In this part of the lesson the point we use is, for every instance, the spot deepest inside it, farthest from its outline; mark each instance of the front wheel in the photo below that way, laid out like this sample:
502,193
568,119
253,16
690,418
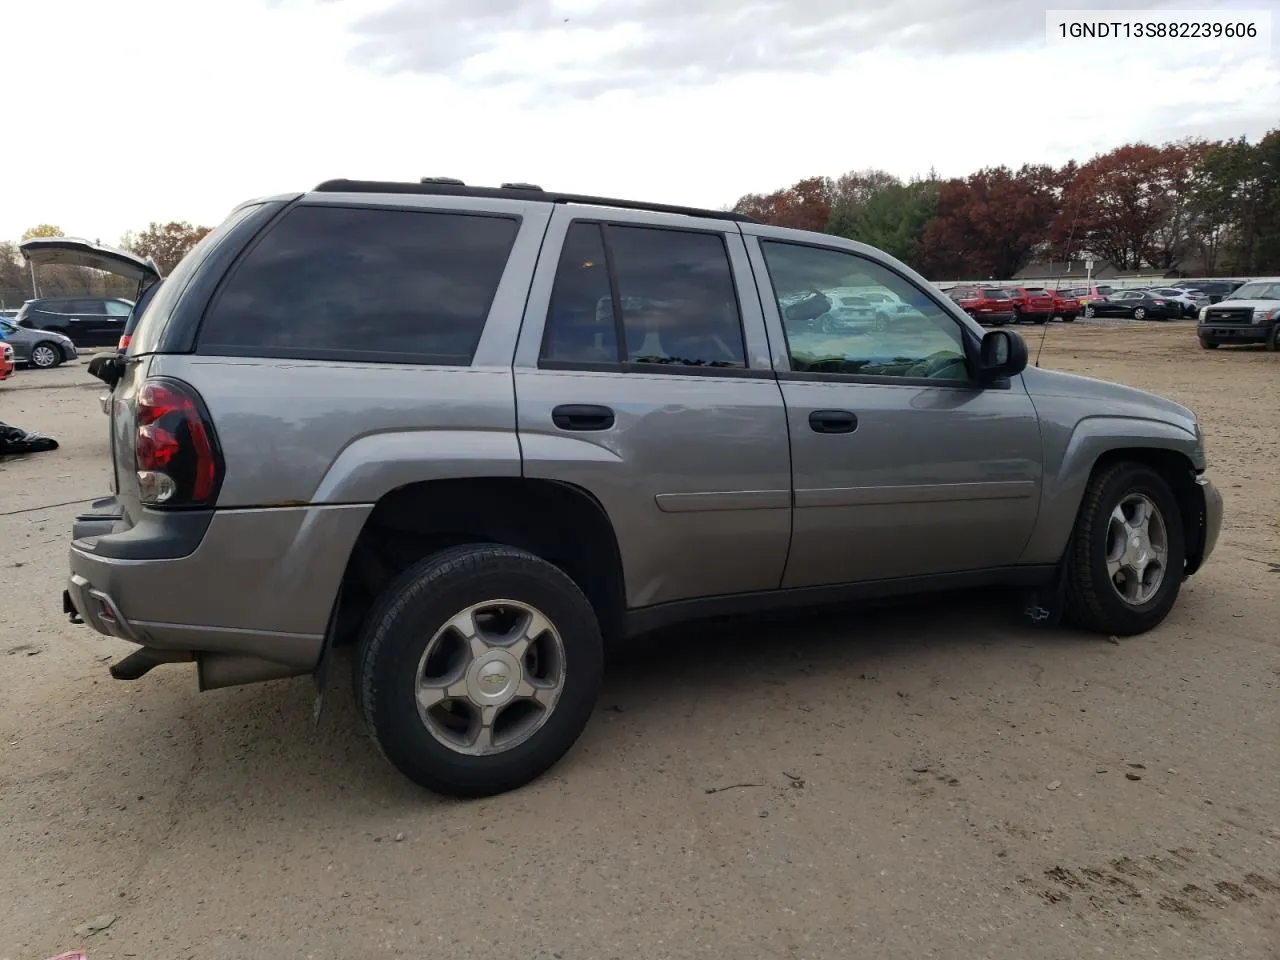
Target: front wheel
1127,552
478,669
1209,344
1273,339
1090,313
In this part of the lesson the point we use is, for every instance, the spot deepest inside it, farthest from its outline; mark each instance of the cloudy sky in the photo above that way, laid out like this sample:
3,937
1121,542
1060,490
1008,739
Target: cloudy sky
136,110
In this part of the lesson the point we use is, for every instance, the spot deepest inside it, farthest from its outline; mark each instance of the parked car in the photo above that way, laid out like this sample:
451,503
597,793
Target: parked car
989,305
1065,306
1135,304
1087,295
87,321
1191,301
1215,289
1250,314
607,417
7,362
38,348
8,314
1032,303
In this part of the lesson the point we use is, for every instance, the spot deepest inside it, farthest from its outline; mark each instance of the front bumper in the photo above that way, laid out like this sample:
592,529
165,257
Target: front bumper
1211,510
1235,332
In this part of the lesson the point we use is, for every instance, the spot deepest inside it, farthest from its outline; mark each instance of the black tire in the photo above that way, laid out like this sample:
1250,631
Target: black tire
43,349
1017,316
1090,313
1139,313
1209,344
409,613
1092,601
1273,338
1068,318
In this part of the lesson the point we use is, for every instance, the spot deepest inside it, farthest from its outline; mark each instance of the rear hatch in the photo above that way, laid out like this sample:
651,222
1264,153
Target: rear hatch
75,252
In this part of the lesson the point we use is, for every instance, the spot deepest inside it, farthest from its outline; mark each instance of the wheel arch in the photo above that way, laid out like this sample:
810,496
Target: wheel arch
559,522
1095,445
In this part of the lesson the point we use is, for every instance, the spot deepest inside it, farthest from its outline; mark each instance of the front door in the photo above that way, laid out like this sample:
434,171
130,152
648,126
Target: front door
903,465
643,377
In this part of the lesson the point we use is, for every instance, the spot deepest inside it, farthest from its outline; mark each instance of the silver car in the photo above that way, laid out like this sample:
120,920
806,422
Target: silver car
38,348
483,433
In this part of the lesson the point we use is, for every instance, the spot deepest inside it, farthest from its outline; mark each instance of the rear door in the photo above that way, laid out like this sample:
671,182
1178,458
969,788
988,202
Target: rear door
643,376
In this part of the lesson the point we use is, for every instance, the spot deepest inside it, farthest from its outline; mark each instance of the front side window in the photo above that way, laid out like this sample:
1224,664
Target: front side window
364,284
674,289
919,340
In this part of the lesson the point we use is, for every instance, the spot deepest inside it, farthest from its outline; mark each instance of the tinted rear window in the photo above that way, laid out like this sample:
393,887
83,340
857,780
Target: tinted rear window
151,322
995,294
361,284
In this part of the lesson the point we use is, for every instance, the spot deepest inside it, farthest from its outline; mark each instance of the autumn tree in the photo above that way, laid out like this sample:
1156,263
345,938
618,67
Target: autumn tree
1173,235
1114,207
42,230
166,244
990,224
803,206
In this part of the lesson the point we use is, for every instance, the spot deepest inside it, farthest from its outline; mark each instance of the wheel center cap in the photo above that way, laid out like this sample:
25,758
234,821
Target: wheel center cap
493,678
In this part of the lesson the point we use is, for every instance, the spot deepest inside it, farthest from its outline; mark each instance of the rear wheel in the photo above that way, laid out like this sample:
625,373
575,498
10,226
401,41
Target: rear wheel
1090,313
1068,318
1017,315
1127,552
478,669
1139,313
45,355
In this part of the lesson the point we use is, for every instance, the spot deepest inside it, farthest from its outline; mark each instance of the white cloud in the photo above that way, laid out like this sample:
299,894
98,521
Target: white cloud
152,110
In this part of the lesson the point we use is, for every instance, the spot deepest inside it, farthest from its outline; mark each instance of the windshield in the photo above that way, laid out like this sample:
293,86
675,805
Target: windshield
1262,290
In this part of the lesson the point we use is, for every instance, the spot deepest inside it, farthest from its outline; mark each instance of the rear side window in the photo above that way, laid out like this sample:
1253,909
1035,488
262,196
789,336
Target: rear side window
343,283
995,294
644,295
117,308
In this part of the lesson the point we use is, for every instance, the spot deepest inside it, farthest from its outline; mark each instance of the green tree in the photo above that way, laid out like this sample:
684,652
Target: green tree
893,218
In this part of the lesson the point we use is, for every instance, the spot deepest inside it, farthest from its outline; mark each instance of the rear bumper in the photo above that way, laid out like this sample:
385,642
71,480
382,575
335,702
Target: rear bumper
257,583
994,316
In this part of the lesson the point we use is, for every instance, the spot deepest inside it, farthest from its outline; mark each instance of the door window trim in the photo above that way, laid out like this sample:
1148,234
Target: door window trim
968,338
615,292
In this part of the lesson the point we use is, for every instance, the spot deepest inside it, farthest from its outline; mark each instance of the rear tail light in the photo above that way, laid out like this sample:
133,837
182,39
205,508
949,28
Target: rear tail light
179,463
124,342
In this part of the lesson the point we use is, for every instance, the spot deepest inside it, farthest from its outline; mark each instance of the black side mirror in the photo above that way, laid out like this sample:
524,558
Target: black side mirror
107,367
1002,354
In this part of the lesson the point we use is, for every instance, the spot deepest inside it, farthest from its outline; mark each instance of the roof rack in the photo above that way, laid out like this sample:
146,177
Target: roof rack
449,187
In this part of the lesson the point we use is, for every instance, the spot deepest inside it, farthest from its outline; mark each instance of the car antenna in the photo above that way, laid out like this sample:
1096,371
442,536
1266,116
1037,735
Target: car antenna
1057,285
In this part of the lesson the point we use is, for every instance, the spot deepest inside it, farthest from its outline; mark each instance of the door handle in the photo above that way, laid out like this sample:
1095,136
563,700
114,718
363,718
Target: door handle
582,416
833,421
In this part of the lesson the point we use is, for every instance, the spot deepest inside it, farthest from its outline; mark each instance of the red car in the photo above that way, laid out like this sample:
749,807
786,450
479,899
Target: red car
991,305
1065,305
7,365
1032,303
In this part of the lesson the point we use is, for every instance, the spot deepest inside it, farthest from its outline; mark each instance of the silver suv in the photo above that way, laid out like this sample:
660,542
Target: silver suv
483,433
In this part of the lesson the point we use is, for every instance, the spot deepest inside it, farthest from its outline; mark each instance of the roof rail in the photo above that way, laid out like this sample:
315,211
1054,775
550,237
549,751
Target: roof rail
446,187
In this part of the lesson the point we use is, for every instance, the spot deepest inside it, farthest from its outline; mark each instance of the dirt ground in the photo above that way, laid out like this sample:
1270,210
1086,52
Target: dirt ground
932,781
